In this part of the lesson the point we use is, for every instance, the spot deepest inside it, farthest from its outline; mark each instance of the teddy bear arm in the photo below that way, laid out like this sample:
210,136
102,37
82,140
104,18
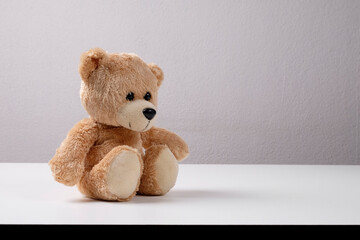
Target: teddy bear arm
67,165
161,136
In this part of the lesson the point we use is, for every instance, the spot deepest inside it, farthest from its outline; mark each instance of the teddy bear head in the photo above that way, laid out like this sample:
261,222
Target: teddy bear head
119,89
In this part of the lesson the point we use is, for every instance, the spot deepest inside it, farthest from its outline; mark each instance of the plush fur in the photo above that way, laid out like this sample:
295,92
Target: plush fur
118,152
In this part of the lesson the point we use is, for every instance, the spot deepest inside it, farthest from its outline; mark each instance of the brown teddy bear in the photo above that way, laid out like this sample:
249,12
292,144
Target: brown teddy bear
118,151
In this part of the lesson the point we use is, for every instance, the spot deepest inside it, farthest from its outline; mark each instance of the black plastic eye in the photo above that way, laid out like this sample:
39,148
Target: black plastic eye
130,96
147,96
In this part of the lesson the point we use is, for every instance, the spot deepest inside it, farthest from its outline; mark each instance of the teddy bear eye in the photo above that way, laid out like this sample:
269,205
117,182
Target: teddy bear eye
147,96
130,96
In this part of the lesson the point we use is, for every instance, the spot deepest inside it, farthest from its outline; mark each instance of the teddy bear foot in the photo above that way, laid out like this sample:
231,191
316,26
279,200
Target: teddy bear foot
116,177
160,171
124,175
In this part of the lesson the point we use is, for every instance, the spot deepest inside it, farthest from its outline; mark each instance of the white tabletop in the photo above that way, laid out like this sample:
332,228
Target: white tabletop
203,194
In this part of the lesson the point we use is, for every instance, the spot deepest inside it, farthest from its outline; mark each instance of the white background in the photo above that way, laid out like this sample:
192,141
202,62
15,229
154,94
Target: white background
245,81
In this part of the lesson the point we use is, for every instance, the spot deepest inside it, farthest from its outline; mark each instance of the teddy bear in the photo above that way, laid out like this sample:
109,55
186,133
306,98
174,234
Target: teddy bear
117,152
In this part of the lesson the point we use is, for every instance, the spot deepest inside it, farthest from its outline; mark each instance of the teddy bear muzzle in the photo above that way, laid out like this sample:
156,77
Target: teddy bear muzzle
139,115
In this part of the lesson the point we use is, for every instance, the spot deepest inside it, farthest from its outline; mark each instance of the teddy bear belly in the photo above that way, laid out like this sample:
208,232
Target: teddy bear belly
98,152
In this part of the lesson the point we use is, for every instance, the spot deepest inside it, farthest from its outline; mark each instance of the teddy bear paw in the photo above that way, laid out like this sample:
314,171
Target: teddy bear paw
124,175
160,171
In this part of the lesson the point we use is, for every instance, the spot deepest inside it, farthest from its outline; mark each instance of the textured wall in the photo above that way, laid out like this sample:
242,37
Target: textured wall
245,81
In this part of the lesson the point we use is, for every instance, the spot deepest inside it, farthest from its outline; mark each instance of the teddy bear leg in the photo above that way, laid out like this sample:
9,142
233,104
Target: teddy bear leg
116,177
160,171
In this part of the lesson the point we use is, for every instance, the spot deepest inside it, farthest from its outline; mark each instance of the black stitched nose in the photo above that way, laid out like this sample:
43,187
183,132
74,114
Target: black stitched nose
149,113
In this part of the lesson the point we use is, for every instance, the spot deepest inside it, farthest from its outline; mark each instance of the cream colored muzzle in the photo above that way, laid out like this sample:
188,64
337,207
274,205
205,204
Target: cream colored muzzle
138,115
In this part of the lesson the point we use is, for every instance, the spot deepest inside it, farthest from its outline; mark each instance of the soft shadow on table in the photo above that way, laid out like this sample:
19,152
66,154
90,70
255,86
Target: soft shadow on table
193,195
190,195
213,194
84,199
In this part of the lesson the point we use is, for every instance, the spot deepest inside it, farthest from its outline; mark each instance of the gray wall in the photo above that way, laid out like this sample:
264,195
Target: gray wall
245,81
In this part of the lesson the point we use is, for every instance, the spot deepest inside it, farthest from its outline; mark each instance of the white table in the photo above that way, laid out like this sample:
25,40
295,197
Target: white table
204,194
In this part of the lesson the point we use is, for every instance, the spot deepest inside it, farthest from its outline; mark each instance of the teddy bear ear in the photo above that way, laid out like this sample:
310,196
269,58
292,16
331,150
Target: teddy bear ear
89,61
156,70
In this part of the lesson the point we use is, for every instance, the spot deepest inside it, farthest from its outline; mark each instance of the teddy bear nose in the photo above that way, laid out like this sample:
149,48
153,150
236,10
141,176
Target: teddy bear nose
149,113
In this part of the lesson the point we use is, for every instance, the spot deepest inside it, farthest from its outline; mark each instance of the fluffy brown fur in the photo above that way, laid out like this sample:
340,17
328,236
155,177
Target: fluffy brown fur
85,157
